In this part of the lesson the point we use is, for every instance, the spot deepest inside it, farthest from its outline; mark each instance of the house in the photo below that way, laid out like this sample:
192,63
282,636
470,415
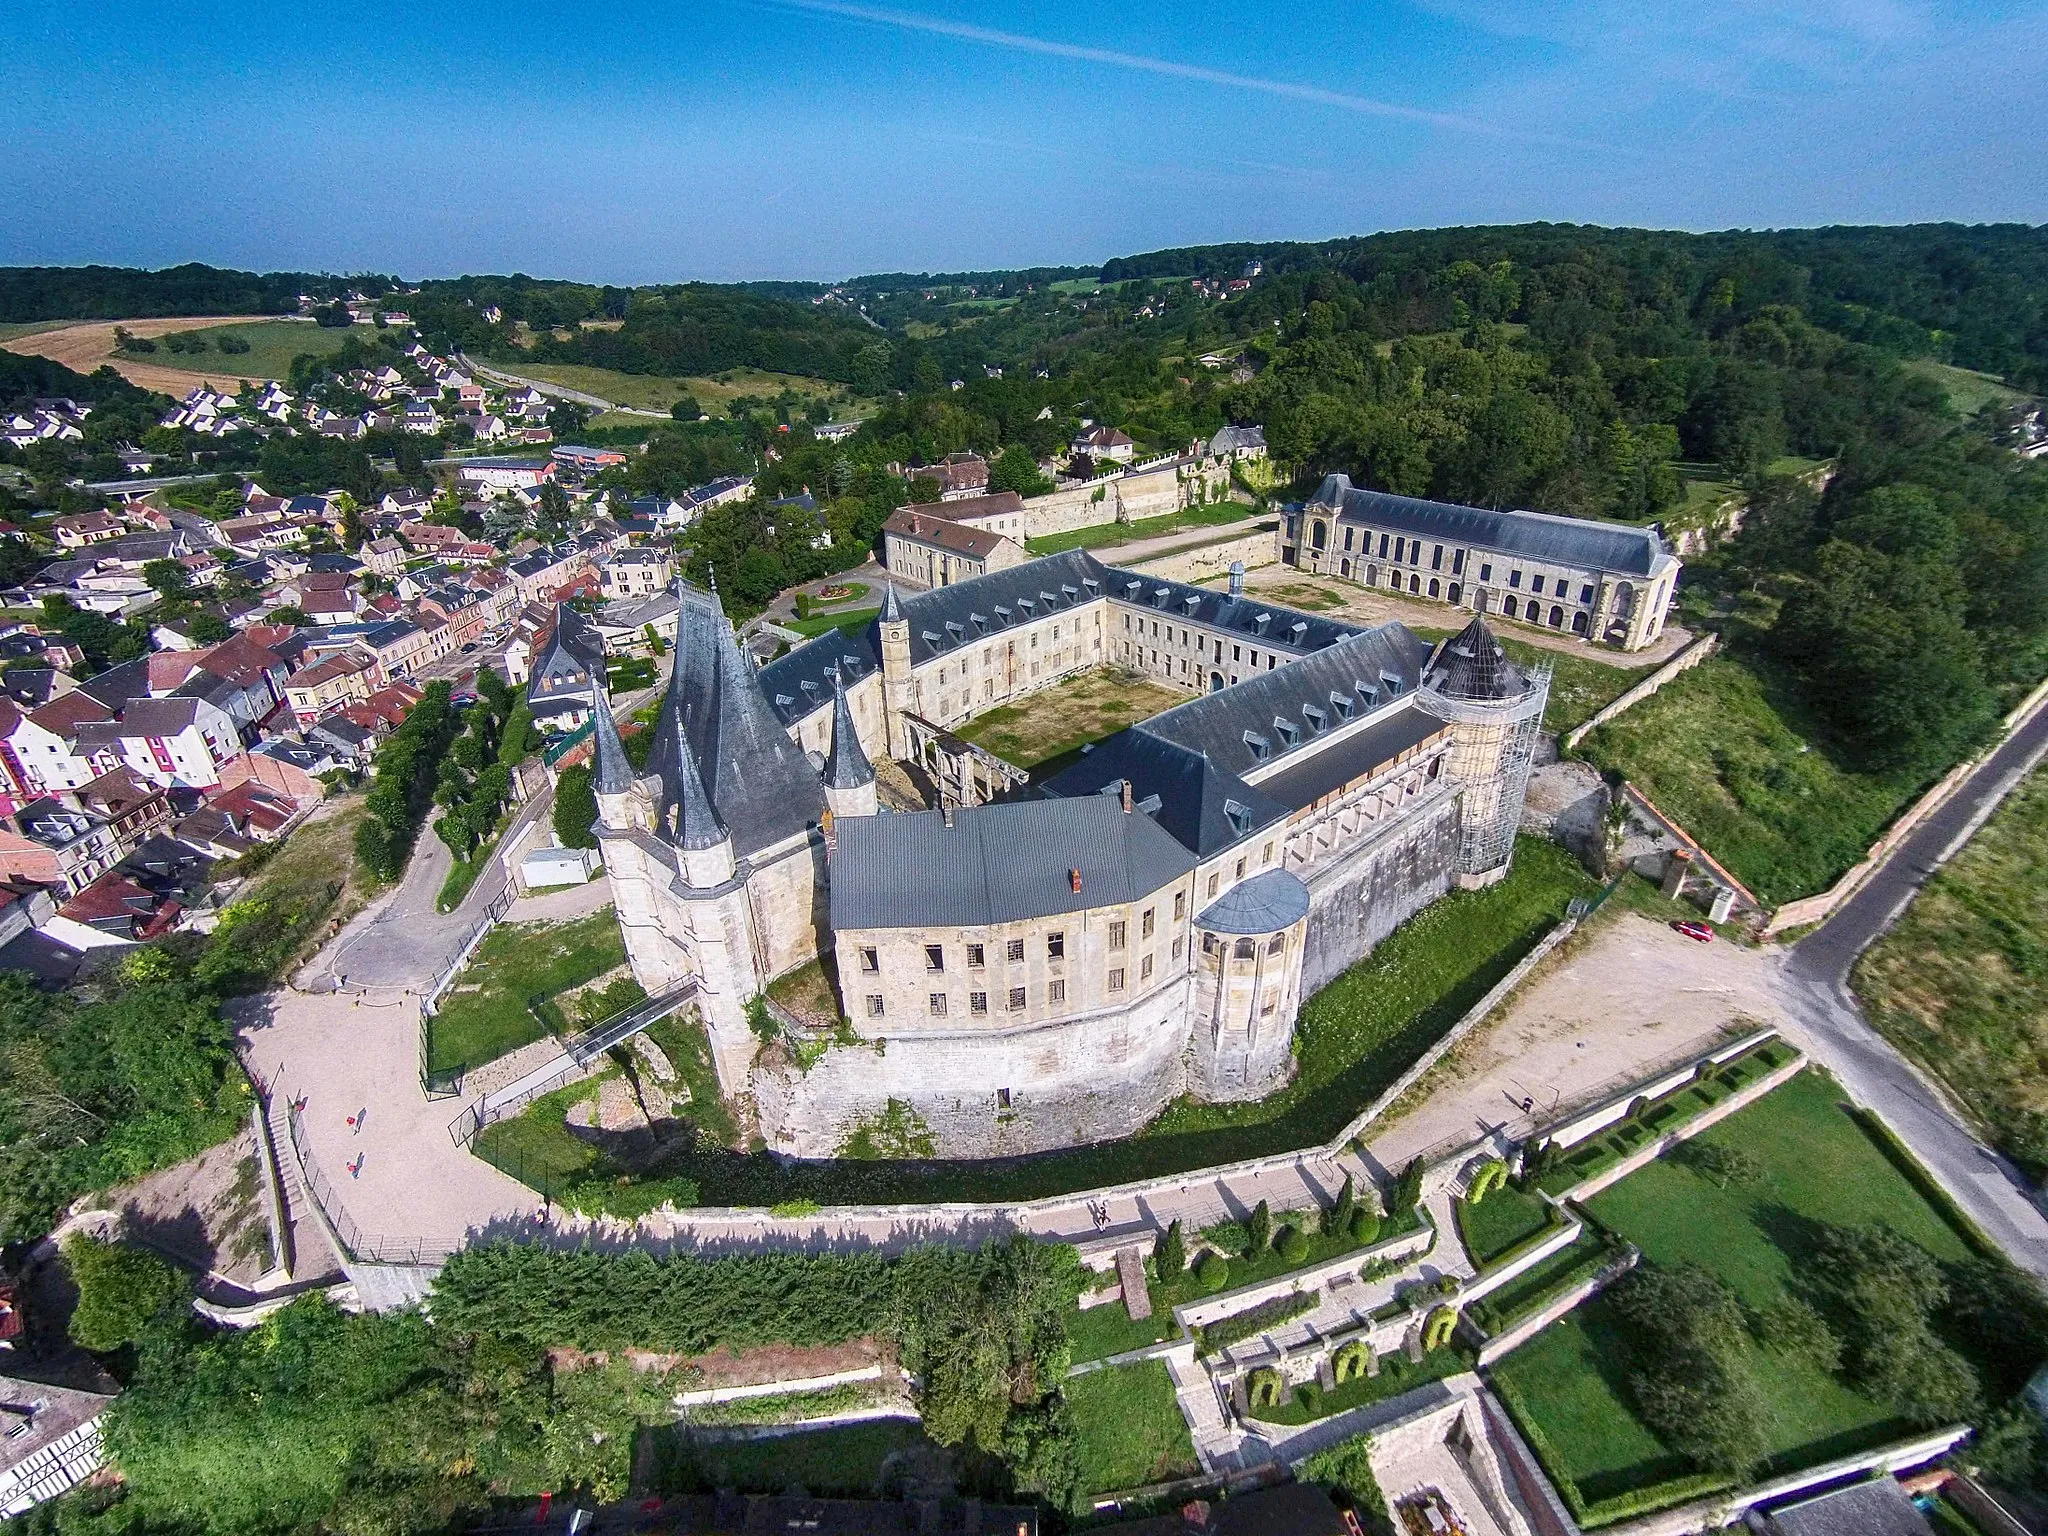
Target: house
835,431
624,626
431,538
386,557
586,460
54,1443
180,739
26,911
83,528
346,742
936,551
959,475
637,573
121,910
1099,443
329,684
256,811
40,749
402,646
382,712
1878,1506
565,663
1238,443
503,474
545,572
55,842
1001,513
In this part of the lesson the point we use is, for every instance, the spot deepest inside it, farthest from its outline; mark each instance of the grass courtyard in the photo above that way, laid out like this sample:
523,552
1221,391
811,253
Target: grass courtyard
1046,730
1129,1429
1568,1387
488,1014
1961,983
1735,761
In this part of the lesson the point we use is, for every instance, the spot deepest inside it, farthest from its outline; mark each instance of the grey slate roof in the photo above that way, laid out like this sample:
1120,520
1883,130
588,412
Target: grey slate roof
1878,1507
614,773
1472,665
802,681
948,618
1202,806
1533,535
1266,625
997,863
761,784
1266,903
848,766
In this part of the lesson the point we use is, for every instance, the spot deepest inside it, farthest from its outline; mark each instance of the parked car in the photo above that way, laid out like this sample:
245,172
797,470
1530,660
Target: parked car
1692,930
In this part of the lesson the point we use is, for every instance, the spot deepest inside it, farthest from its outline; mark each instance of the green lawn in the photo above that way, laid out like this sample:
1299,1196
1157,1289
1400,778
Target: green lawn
272,346
487,1013
1107,1330
1732,760
1047,729
852,621
1568,1386
1356,1036
1537,1285
847,1460
1968,390
1129,1429
1580,687
1106,535
1961,984
1502,1221
648,392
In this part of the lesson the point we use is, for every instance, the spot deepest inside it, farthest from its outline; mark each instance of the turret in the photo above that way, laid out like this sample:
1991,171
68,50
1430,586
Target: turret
612,777
898,689
849,778
706,845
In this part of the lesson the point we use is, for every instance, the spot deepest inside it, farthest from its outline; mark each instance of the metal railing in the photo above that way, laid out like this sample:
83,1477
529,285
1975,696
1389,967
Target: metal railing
622,1026
446,1082
369,1248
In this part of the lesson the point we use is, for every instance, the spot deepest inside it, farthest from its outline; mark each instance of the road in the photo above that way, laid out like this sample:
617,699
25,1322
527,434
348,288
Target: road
1816,989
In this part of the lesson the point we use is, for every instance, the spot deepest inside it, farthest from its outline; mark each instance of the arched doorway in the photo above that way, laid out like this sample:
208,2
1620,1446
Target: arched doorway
1507,607
1578,623
1435,587
1455,594
1556,617
1318,535
1215,682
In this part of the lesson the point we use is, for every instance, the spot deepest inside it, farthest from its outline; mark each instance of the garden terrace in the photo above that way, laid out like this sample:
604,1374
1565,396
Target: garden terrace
1129,1428
1308,1401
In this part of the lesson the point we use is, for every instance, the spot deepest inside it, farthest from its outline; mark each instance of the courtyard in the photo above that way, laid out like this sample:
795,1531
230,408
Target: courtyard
1046,731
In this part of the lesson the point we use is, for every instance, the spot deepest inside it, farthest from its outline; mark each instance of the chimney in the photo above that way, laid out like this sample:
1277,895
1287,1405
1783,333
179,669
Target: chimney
1074,876
946,812
1237,578
1127,797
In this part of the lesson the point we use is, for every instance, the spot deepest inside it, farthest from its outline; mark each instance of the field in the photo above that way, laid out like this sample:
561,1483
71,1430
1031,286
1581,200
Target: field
1108,535
272,346
1961,984
89,344
487,1013
1052,725
1569,1384
647,392
1968,390
1130,1430
1733,761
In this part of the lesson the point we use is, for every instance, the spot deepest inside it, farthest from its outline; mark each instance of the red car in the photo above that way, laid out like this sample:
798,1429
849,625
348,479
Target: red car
1693,930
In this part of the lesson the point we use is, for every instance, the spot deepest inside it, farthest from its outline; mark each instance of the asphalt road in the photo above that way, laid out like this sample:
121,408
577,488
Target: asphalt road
1816,973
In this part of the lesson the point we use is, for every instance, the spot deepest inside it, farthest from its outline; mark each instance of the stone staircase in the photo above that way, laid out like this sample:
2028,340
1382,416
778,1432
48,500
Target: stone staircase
303,1251
1218,1442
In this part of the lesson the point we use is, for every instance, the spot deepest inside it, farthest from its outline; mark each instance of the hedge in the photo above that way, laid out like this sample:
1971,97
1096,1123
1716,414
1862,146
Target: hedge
1226,1331
1915,1173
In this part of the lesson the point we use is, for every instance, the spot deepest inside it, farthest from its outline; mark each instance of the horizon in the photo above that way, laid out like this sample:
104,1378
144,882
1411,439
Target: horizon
811,140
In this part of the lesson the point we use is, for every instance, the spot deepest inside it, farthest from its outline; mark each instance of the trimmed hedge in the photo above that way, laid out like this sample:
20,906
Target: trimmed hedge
1226,1331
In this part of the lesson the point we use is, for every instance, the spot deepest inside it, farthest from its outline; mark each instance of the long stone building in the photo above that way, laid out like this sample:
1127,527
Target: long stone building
1601,581
1035,966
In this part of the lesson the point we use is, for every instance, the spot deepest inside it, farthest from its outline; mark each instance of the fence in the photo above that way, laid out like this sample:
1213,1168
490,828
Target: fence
355,1242
446,1082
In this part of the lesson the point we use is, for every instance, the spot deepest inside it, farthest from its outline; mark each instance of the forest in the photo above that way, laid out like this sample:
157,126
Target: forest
125,293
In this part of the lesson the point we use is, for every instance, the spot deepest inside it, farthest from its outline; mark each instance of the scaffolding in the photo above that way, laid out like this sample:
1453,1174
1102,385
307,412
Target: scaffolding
1490,760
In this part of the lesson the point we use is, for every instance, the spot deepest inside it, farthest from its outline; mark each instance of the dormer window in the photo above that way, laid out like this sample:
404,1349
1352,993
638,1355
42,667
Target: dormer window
979,622
1091,586
1160,595
1239,816
1300,631
1368,693
1318,720
1261,747
783,701
1131,590
1003,615
1259,624
1341,702
954,630
1025,604
1288,730
1049,600
1392,682
1068,592
1191,602
930,638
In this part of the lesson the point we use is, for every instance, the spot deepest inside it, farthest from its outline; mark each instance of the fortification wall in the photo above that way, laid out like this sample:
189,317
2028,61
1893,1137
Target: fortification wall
1068,1083
1117,499
1204,561
1356,901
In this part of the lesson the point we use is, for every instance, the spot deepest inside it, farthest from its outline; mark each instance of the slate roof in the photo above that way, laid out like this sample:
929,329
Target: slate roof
1271,900
1472,665
761,784
1878,1507
1282,629
948,618
997,863
1203,807
847,767
816,663
1532,535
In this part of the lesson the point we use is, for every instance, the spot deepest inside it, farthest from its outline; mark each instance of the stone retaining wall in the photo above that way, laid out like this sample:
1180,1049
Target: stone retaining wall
1520,1333
1613,1111
1657,1146
1261,547
1684,661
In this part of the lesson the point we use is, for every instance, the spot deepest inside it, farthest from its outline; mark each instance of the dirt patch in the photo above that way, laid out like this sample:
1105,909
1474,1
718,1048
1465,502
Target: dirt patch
1047,729
207,1212
89,345
746,1368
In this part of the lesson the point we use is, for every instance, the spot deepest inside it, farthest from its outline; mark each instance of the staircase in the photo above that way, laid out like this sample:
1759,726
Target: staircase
303,1249
1217,1442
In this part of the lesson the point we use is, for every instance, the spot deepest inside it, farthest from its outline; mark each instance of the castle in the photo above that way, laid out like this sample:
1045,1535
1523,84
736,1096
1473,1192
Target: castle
1037,966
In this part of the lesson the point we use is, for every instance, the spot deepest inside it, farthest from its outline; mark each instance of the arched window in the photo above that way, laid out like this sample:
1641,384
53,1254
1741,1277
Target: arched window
1434,587
1246,949
1215,682
1455,593
1578,623
1415,584
1624,600
1276,943
1436,766
1507,607
1344,566
1319,534
1556,617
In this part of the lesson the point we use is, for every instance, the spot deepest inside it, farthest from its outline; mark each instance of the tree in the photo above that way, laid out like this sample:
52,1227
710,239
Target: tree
686,409
288,613
122,1291
210,628
1406,1190
1694,1386
566,418
1337,1215
169,579
1016,470
575,809
349,512
1169,1256
1258,1230
551,513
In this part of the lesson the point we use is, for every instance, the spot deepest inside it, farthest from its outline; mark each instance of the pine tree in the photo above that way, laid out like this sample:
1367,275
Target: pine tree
1170,1257
1337,1217
1258,1231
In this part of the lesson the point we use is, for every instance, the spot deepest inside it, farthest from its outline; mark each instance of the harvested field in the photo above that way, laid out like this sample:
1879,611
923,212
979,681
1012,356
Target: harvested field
89,344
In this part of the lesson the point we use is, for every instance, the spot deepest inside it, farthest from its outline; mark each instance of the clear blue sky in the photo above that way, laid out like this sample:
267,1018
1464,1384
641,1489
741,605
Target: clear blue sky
811,138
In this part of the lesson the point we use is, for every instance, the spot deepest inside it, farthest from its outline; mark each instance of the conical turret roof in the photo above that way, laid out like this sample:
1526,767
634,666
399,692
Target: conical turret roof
614,771
1473,665
848,767
892,607
697,823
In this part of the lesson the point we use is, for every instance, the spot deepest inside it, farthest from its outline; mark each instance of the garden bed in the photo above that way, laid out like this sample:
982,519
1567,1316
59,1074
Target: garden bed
1308,1402
1499,1225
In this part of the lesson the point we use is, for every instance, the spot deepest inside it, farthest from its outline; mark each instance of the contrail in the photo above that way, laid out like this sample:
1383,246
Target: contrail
1344,100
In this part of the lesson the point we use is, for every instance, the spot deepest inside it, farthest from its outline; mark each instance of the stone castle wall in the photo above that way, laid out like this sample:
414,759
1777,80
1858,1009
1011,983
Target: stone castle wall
1210,560
1359,899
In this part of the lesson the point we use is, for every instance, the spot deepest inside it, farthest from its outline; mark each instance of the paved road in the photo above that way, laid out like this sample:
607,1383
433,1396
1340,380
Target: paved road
1816,989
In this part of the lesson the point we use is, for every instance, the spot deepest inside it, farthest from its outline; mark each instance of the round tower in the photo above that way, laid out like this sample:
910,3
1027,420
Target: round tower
898,688
1495,709
849,777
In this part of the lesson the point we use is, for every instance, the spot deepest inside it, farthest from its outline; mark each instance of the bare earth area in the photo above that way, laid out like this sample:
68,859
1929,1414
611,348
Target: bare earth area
207,1212
89,345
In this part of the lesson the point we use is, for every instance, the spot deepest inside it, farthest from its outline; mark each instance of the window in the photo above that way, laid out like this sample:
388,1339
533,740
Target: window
1145,969
1016,949
1486,573
1116,979
1240,870
938,1001
1214,878
1436,558
1585,594
1056,946
1180,905
1458,563
1275,944
1383,546
874,1005
1016,999
1267,857
1246,950
935,957
1348,532
977,1003
1178,944
1145,924
1272,1001
1002,1098
1056,992
974,958
1208,943
1116,935
1514,578
870,962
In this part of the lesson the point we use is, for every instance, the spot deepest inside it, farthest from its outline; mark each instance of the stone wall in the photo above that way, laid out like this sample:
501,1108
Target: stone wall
1214,559
1359,899
1684,661
1123,499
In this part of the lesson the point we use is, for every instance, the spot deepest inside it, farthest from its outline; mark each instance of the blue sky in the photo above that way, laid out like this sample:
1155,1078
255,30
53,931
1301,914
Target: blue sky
725,139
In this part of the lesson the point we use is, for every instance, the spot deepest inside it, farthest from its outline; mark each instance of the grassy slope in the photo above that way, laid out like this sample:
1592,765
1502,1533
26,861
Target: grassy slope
272,346
851,620
518,961
1058,720
1107,535
1968,390
1823,1167
1130,1430
1726,755
848,1460
1961,984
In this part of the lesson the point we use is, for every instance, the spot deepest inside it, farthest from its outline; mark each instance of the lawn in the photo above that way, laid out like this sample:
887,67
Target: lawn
1537,1285
487,1013
1128,1427
297,895
1503,1221
1047,730
1105,535
1107,1330
1568,1386
847,1459
1734,761
1356,1036
1968,390
1961,984
272,346
852,621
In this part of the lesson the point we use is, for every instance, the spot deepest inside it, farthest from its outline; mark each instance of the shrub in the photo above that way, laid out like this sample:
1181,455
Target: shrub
1259,1231
1490,1176
1406,1190
1337,1217
1292,1245
1792,1327
1718,1164
1212,1272
1365,1226
1263,1388
1350,1360
1170,1257
1437,1331
121,1291
1255,1320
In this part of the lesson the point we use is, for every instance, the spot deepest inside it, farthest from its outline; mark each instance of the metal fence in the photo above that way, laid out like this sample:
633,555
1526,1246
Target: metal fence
446,1082
369,1248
